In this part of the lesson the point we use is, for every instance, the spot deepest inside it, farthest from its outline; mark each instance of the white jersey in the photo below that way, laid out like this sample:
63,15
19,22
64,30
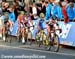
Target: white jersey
55,26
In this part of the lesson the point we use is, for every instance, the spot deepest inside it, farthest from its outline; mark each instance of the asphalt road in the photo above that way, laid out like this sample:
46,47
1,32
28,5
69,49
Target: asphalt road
15,50
24,53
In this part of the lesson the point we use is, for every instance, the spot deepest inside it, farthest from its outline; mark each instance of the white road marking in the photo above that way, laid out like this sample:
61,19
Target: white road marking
36,50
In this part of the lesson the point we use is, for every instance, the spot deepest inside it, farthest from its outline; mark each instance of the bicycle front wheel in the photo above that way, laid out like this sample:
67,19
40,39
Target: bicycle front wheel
55,44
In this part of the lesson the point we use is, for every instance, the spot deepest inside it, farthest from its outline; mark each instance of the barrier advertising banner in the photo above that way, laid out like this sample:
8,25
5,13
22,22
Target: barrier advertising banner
67,37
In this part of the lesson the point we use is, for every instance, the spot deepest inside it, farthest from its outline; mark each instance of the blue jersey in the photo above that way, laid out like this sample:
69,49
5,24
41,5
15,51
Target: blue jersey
41,23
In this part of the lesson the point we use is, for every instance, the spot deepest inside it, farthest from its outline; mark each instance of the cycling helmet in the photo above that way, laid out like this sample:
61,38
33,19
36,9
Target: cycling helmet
22,12
42,15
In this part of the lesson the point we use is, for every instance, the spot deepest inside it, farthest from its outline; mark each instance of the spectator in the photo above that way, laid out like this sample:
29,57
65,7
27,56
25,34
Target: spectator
34,11
5,5
1,22
30,10
41,7
64,12
25,9
11,14
21,5
16,11
0,11
56,10
43,10
3,0
48,10
73,1
71,11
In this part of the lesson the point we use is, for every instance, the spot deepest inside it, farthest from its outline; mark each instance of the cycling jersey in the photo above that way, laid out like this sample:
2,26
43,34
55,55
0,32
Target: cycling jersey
53,25
41,23
20,17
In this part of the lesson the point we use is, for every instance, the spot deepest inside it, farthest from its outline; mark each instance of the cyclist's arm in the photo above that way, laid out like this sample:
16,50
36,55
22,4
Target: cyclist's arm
58,27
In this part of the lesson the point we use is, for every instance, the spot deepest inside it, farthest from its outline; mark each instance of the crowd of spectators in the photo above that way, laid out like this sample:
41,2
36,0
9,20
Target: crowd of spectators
60,8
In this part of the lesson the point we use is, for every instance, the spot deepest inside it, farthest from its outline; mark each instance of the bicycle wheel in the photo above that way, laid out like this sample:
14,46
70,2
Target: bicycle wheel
37,38
40,41
29,38
48,48
19,38
4,37
55,44
8,36
19,35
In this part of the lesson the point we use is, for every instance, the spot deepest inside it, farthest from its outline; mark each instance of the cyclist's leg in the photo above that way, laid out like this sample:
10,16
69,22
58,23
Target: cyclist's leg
11,22
48,30
23,32
19,30
23,35
3,32
19,33
4,29
48,38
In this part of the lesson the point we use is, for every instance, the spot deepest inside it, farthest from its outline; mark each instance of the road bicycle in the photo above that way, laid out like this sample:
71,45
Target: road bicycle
7,35
27,35
41,38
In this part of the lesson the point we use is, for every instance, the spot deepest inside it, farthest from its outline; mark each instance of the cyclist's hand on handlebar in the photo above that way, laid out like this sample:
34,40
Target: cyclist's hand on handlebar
59,30
46,22
62,19
74,20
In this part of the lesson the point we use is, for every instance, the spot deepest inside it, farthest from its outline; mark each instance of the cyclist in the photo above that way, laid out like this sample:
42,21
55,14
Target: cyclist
52,27
52,24
41,24
41,21
20,25
41,35
6,25
23,22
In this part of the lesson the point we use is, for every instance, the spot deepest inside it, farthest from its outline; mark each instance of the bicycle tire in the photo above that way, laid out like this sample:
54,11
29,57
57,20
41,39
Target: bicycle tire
55,44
